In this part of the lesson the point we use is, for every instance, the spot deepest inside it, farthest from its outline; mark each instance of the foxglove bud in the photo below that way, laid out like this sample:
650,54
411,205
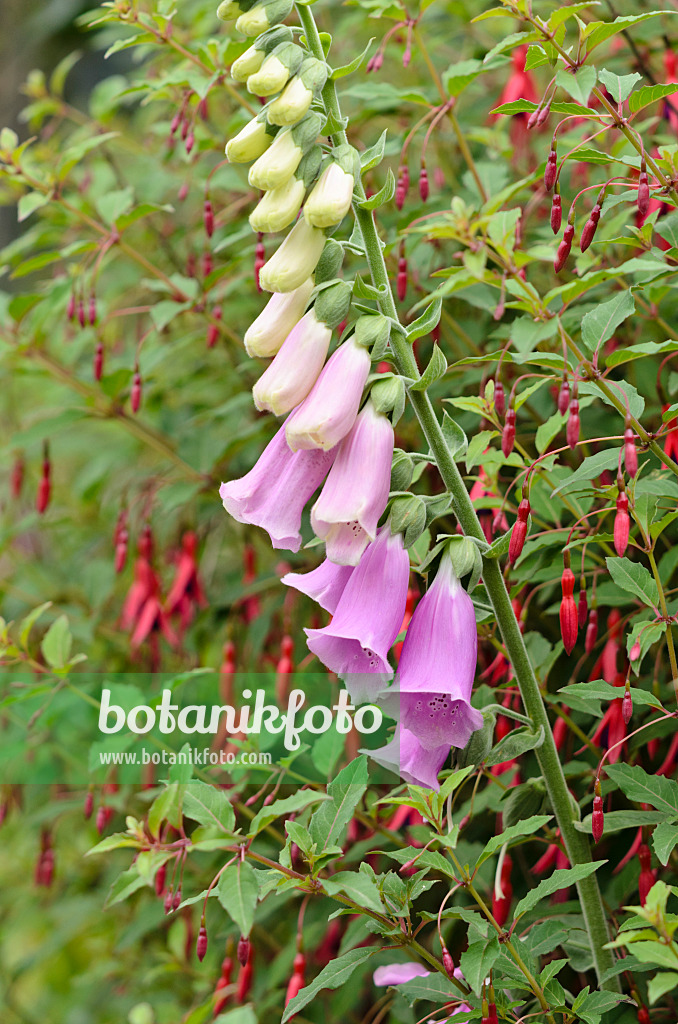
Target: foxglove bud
263,16
508,436
250,143
208,218
564,248
519,532
423,183
499,398
564,396
568,611
643,192
551,169
630,453
582,604
556,213
573,426
597,817
99,361
330,200
591,631
627,704
402,185
622,524
273,75
251,60
589,229
201,944
135,395
401,280
295,260
281,159
283,311
279,206
243,952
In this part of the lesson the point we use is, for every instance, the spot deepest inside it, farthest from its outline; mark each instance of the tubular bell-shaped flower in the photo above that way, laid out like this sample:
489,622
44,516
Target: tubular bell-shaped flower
251,142
295,260
280,161
325,417
367,617
281,313
262,16
297,96
431,695
274,73
354,497
294,370
279,206
330,200
252,59
406,757
273,494
324,585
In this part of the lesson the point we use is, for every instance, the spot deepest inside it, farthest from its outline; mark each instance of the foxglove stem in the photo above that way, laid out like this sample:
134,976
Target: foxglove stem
576,843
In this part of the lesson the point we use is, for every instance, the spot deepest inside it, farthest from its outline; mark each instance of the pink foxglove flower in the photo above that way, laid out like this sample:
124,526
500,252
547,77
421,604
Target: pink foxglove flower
354,497
406,757
281,313
431,696
325,584
367,617
325,417
294,371
400,974
273,494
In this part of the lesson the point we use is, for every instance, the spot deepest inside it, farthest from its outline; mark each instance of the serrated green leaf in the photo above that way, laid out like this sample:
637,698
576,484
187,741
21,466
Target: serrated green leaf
560,879
640,787
334,975
664,839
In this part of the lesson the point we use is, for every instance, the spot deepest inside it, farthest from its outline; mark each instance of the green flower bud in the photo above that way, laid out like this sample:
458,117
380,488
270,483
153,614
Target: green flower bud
279,207
333,303
402,470
262,16
523,801
408,516
250,143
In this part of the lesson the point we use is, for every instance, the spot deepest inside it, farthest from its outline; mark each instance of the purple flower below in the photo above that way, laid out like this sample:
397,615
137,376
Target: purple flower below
325,584
406,757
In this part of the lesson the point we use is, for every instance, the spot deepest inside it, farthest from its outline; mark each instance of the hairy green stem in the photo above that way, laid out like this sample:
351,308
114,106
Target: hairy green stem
576,843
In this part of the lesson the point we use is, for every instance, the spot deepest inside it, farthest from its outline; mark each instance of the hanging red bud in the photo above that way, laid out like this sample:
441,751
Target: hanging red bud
176,121
208,265
121,550
407,56
573,425
508,436
89,805
627,704
591,631
582,604
519,532
243,952
92,310
202,107
176,901
543,114
630,453
622,524
564,248
643,192
532,119
201,944
589,229
423,184
401,280
244,983
98,368
551,169
213,329
647,876
294,987
17,476
259,259
556,213
82,319
159,880
448,962
168,901
499,398
597,817
402,186
564,397
569,619
190,141
492,1017
208,218
183,192
70,308
101,818
135,394
643,1015
634,653
45,486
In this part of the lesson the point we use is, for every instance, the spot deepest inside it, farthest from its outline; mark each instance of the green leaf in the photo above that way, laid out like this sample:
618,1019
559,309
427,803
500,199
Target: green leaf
124,885
435,988
477,446
478,960
455,438
347,69
334,975
238,1015
428,320
375,154
166,807
436,369
30,620
648,94
640,787
634,579
518,831
578,85
31,202
664,839
619,88
596,32
560,879
515,743
661,984
281,808
527,106
345,792
600,323
595,1004
625,354
238,892
461,74
208,806
117,841
357,886
57,642
384,195
590,468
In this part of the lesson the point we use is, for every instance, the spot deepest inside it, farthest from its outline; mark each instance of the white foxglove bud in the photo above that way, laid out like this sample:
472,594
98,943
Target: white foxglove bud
282,312
252,59
279,207
262,16
295,260
230,9
298,94
330,200
250,143
280,162
276,70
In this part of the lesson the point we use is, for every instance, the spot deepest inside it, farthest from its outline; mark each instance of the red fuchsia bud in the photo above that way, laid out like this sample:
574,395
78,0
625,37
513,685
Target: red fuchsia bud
176,121
135,395
159,880
121,551
377,60
70,308
622,524
569,620
208,218
190,141
519,532
643,1015
89,805
508,436
98,368
544,113
176,901
244,983
82,319
168,901
499,398
591,631
630,453
213,330
208,265
532,119
45,486
401,280
243,952
448,962
564,397
551,169
17,476
294,987
627,704
423,183
92,311
556,213
643,192
564,248
185,125
402,186
101,818
589,229
407,56
598,817
582,603
259,259
201,944
183,192
202,108
299,965
573,425
634,653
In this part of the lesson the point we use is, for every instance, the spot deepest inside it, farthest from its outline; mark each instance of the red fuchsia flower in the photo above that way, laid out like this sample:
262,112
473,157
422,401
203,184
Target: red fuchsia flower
273,494
569,618
622,524
671,438
142,612
355,493
326,416
647,875
186,592
519,532
520,85
284,669
670,75
503,893
367,618
432,693
598,815
325,585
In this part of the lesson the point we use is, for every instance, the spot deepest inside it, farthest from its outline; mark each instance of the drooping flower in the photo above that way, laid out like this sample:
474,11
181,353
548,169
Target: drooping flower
281,160
406,757
250,143
186,593
367,618
273,494
325,585
431,696
282,312
325,417
354,497
273,75
295,260
288,379
297,96
330,200
278,207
